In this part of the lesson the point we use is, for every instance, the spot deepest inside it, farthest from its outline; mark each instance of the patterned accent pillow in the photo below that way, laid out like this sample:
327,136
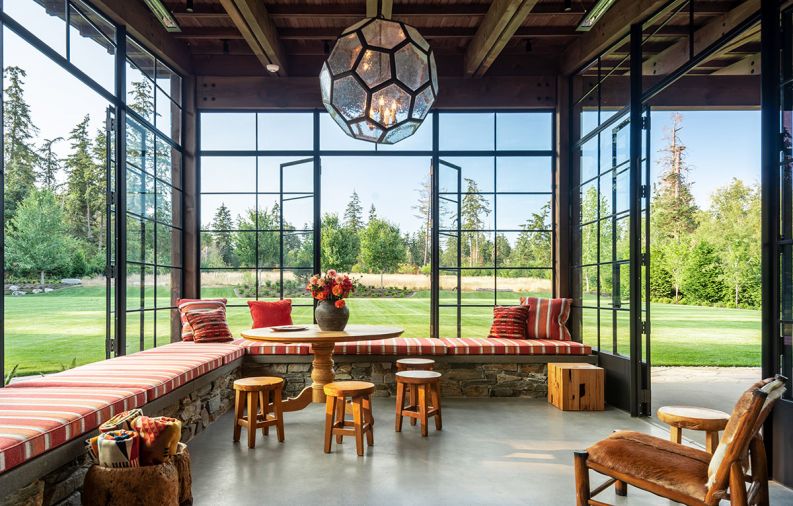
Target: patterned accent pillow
509,322
547,318
209,326
186,305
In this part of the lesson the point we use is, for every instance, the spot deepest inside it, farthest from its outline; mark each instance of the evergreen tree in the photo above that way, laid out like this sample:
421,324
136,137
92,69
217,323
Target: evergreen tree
353,215
703,279
674,210
423,210
533,249
592,206
141,100
474,210
82,205
223,237
38,241
20,156
372,213
50,165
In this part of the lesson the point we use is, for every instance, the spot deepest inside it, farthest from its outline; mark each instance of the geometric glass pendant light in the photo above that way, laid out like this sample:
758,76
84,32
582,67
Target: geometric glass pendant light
379,81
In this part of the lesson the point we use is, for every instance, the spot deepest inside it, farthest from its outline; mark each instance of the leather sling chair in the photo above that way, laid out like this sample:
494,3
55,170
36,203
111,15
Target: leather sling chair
688,475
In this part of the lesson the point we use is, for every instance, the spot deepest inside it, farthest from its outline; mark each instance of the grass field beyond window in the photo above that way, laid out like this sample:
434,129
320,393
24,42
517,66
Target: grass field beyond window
46,332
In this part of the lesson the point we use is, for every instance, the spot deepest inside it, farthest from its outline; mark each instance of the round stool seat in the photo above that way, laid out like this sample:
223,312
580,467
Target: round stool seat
418,377
694,418
415,363
258,383
349,388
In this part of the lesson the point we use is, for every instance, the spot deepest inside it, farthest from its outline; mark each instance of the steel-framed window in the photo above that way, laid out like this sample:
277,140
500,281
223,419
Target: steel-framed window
318,150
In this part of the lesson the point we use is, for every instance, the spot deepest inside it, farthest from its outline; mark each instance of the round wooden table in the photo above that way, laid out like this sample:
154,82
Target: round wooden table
711,421
322,344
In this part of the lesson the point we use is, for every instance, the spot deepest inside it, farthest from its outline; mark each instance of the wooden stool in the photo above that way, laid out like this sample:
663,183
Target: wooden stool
576,386
258,392
425,383
414,364
362,422
688,417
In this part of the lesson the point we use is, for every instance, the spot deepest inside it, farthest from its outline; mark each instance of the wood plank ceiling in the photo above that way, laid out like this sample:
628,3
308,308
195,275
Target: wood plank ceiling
535,44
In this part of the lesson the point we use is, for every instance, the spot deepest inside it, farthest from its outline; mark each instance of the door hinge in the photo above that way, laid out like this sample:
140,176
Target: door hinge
110,272
645,259
646,122
644,327
645,191
112,345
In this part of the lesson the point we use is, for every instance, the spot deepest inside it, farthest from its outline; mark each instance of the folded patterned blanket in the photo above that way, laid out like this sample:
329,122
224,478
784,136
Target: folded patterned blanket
121,421
159,437
118,448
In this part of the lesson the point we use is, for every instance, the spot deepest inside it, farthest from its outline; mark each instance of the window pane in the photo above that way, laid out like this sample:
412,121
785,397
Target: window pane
228,174
515,212
241,209
170,82
466,131
48,25
524,174
524,249
92,50
286,131
524,131
228,131
236,286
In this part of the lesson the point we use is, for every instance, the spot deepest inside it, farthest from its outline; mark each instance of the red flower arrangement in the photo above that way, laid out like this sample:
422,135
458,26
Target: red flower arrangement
332,287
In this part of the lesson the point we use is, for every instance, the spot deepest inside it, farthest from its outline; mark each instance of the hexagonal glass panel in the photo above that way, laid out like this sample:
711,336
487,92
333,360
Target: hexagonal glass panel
349,98
424,101
433,73
338,119
411,66
390,106
366,130
325,83
403,131
357,25
417,38
345,52
374,67
382,33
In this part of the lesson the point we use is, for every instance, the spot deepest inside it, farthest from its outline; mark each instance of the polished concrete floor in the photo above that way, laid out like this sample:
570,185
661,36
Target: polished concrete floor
491,451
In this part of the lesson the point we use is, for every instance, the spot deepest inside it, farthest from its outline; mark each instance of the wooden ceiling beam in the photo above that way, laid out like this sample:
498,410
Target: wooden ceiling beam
746,66
677,54
253,22
613,26
428,33
501,22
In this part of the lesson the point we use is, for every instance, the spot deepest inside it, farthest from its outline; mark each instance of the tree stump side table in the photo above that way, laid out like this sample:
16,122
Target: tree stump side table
576,386
710,421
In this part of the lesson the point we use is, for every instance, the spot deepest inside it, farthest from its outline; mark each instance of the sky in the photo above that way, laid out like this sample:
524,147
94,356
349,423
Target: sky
721,144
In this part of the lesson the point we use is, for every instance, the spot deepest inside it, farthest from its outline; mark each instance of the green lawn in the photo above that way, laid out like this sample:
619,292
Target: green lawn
46,332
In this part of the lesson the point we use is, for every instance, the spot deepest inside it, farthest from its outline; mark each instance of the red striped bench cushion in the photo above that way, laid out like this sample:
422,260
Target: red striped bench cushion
252,347
35,420
157,374
395,346
492,346
228,351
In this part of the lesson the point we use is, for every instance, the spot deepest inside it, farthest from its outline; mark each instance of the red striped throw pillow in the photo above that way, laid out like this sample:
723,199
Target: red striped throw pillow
509,322
186,305
209,326
547,318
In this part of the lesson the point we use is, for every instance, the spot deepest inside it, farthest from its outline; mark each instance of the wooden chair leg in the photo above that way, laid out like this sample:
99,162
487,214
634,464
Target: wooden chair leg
759,471
239,412
620,488
369,419
737,485
582,490
279,414
264,406
357,420
676,434
711,441
400,405
413,395
435,390
330,411
253,410
341,414
423,409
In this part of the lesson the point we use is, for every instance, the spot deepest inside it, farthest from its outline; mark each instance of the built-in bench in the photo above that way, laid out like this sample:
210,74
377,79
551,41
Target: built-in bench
50,416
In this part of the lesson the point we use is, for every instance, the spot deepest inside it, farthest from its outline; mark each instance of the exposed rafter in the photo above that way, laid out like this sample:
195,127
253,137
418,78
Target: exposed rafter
254,23
614,25
746,66
499,24
677,54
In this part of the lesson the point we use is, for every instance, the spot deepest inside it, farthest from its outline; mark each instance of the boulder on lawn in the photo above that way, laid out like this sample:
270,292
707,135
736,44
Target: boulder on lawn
49,290
36,290
71,281
18,293
13,288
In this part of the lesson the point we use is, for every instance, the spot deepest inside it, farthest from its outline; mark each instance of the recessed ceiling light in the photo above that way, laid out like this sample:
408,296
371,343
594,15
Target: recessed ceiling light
592,17
163,15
